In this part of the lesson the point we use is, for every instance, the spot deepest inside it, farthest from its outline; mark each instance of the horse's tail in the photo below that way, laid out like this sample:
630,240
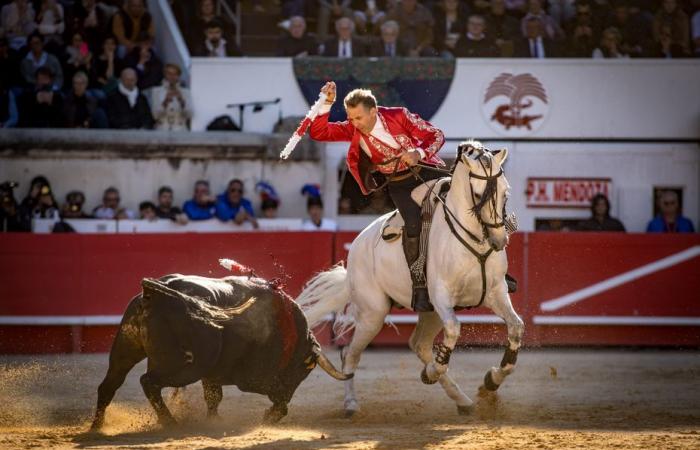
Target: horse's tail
325,293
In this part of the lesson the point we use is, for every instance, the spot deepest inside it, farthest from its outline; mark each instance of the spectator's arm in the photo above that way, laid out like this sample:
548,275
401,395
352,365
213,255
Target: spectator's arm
13,115
27,70
249,209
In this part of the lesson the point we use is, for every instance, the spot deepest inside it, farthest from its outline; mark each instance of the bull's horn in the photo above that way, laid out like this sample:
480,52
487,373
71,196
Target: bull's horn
328,366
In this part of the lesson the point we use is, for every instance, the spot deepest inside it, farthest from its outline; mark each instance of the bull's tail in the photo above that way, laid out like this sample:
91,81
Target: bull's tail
326,293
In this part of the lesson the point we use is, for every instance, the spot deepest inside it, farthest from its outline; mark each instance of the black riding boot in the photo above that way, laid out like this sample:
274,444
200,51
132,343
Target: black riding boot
420,300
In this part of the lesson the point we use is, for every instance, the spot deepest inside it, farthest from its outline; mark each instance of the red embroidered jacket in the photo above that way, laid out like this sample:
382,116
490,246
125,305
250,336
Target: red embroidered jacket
408,129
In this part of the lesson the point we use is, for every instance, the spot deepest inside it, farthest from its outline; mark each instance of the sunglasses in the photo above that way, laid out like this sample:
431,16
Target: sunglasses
235,190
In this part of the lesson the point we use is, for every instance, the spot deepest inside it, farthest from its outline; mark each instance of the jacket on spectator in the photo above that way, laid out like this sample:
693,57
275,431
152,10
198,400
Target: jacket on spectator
524,50
469,48
173,115
378,48
226,211
41,115
659,225
198,212
133,30
122,115
29,66
290,46
358,49
78,112
150,73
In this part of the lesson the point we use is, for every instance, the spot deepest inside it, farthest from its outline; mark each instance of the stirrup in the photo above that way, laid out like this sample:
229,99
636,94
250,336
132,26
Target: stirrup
420,300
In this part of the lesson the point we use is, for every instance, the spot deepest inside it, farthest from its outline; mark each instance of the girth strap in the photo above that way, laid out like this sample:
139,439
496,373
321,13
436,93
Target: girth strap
481,257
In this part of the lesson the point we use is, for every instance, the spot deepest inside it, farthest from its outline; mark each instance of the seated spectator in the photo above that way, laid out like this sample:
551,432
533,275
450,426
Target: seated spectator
416,23
107,67
475,43
17,23
110,209
270,200
671,15
92,21
536,44
368,15
600,217
172,103
51,24
73,208
10,218
665,47
345,45
297,43
206,12
80,108
330,11
535,9
40,202
36,58
9,65
503,28
389,44
202,206
165,208
9,117
450,23
214,45
670,219
78,57
132,25
147,64
635,30
345,206
147,211
42,106
231,205
314,207
582,32
269,208
127,107
610,45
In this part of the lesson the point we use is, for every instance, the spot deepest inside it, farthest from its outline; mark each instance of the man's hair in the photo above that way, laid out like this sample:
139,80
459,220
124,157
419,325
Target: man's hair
360,97
201,182
173,66
164,189
391,24
236,181
147,205
214,23
80,76
44,70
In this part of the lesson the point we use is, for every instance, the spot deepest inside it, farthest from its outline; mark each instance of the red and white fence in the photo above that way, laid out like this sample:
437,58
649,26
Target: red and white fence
64,293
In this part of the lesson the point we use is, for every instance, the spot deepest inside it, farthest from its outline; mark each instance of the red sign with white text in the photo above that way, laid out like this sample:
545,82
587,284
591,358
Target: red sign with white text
565,192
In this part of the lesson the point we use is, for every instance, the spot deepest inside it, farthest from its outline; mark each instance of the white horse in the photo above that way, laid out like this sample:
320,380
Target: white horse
466,267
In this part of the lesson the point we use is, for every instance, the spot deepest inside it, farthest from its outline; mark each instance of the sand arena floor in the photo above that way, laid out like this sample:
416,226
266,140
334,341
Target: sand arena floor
555,399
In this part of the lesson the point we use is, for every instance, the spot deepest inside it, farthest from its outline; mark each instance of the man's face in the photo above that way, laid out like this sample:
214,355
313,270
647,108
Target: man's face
535,6
451,5
297,27
148,214
128,79
36,45
583,14
344,28
79,86
171,75
669,5
201,194
270,213
669,204
110,45
390,35
475,26
601,207
165,200
214,35
362,118
235,192
43,80
135,7
498,7
111,200
315,213
207,7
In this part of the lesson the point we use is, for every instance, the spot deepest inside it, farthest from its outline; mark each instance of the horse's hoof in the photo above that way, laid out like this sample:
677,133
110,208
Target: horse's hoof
465,410
348,413
489,384
424,377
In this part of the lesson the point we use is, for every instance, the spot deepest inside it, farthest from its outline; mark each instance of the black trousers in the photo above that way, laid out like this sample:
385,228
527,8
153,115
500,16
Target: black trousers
400,193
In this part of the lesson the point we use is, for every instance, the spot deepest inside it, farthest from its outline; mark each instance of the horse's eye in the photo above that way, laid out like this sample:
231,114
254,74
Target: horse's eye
478,196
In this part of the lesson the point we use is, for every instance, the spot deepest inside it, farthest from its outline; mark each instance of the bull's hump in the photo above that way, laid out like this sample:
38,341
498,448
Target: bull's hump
211,288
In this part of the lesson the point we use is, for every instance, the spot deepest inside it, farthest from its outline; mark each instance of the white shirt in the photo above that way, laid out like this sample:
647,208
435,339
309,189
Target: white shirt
344,49
219,51
326,225
540,48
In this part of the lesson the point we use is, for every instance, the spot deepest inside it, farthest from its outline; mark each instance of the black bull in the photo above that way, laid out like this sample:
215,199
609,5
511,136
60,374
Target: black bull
228,331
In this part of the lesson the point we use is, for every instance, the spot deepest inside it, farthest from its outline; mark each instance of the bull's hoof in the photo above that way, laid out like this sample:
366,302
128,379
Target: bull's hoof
424,377
465,410
273,415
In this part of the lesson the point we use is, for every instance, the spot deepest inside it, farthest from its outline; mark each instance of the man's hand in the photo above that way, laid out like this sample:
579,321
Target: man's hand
329,90
410,157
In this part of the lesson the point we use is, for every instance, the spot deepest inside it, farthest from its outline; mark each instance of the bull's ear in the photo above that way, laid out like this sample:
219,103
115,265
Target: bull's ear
500,155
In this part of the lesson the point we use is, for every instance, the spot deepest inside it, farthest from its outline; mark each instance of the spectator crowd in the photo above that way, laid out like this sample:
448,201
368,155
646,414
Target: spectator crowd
86,64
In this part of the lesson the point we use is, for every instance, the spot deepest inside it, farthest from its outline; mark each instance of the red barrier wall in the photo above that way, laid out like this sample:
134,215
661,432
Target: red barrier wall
597,289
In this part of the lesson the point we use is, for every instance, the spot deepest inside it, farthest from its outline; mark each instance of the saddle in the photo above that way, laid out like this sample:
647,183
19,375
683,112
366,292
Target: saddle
427,192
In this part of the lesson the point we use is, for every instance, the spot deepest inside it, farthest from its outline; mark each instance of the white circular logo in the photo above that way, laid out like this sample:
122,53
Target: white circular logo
515,105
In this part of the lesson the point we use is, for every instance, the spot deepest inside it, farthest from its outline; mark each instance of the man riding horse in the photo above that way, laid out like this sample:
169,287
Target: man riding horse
392,141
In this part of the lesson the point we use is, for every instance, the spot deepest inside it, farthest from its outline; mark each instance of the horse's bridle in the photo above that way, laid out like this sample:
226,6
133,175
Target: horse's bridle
490,178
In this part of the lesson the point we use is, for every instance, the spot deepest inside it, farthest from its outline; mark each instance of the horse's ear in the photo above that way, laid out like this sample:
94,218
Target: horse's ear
500,155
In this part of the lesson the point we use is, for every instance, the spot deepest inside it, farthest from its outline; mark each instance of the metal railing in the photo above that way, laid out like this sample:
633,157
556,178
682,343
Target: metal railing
235,16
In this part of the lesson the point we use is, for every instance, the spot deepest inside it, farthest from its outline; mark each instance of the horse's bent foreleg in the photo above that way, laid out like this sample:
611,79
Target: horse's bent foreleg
504,309
421,342
443,350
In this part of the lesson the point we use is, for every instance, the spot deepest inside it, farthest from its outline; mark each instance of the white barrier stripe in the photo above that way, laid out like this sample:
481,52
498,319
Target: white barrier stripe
60,320
576,296
413,318
616,320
